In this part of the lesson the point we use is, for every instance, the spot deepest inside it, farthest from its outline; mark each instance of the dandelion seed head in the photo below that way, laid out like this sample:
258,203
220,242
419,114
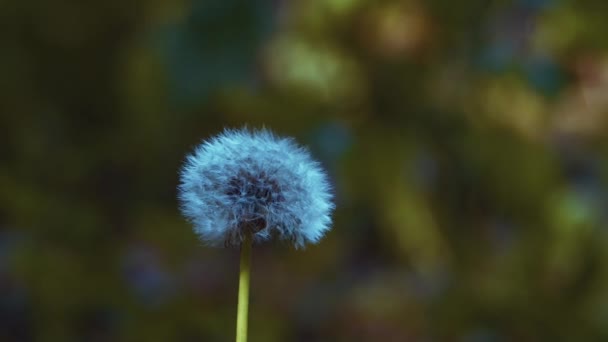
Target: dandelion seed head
245,182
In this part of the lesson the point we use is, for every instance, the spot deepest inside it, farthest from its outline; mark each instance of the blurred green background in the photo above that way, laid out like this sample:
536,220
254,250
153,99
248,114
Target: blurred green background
466,141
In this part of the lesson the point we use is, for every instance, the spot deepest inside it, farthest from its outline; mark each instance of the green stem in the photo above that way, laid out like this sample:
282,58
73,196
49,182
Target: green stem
243,304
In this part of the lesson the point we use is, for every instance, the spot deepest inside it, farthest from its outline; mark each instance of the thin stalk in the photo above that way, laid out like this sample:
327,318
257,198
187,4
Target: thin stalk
243,304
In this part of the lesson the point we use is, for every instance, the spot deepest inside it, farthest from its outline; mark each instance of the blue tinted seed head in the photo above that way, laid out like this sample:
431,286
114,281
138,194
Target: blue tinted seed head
252,182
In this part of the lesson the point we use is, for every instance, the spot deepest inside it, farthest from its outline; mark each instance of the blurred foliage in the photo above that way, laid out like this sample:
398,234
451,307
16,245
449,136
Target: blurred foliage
466,142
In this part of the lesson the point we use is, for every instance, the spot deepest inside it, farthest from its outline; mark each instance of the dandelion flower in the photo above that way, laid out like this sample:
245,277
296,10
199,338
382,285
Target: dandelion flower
245,186
253,183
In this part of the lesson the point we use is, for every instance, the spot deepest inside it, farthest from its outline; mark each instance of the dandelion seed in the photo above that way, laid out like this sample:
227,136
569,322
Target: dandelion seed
245,182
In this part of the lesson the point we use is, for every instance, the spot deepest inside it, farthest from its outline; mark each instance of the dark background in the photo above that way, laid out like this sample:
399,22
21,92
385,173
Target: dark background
466,141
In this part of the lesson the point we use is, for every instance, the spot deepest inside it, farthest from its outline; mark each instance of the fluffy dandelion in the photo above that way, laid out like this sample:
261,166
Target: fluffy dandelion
244,186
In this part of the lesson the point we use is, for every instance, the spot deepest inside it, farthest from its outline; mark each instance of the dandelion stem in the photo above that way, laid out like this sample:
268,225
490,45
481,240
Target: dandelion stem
243,304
